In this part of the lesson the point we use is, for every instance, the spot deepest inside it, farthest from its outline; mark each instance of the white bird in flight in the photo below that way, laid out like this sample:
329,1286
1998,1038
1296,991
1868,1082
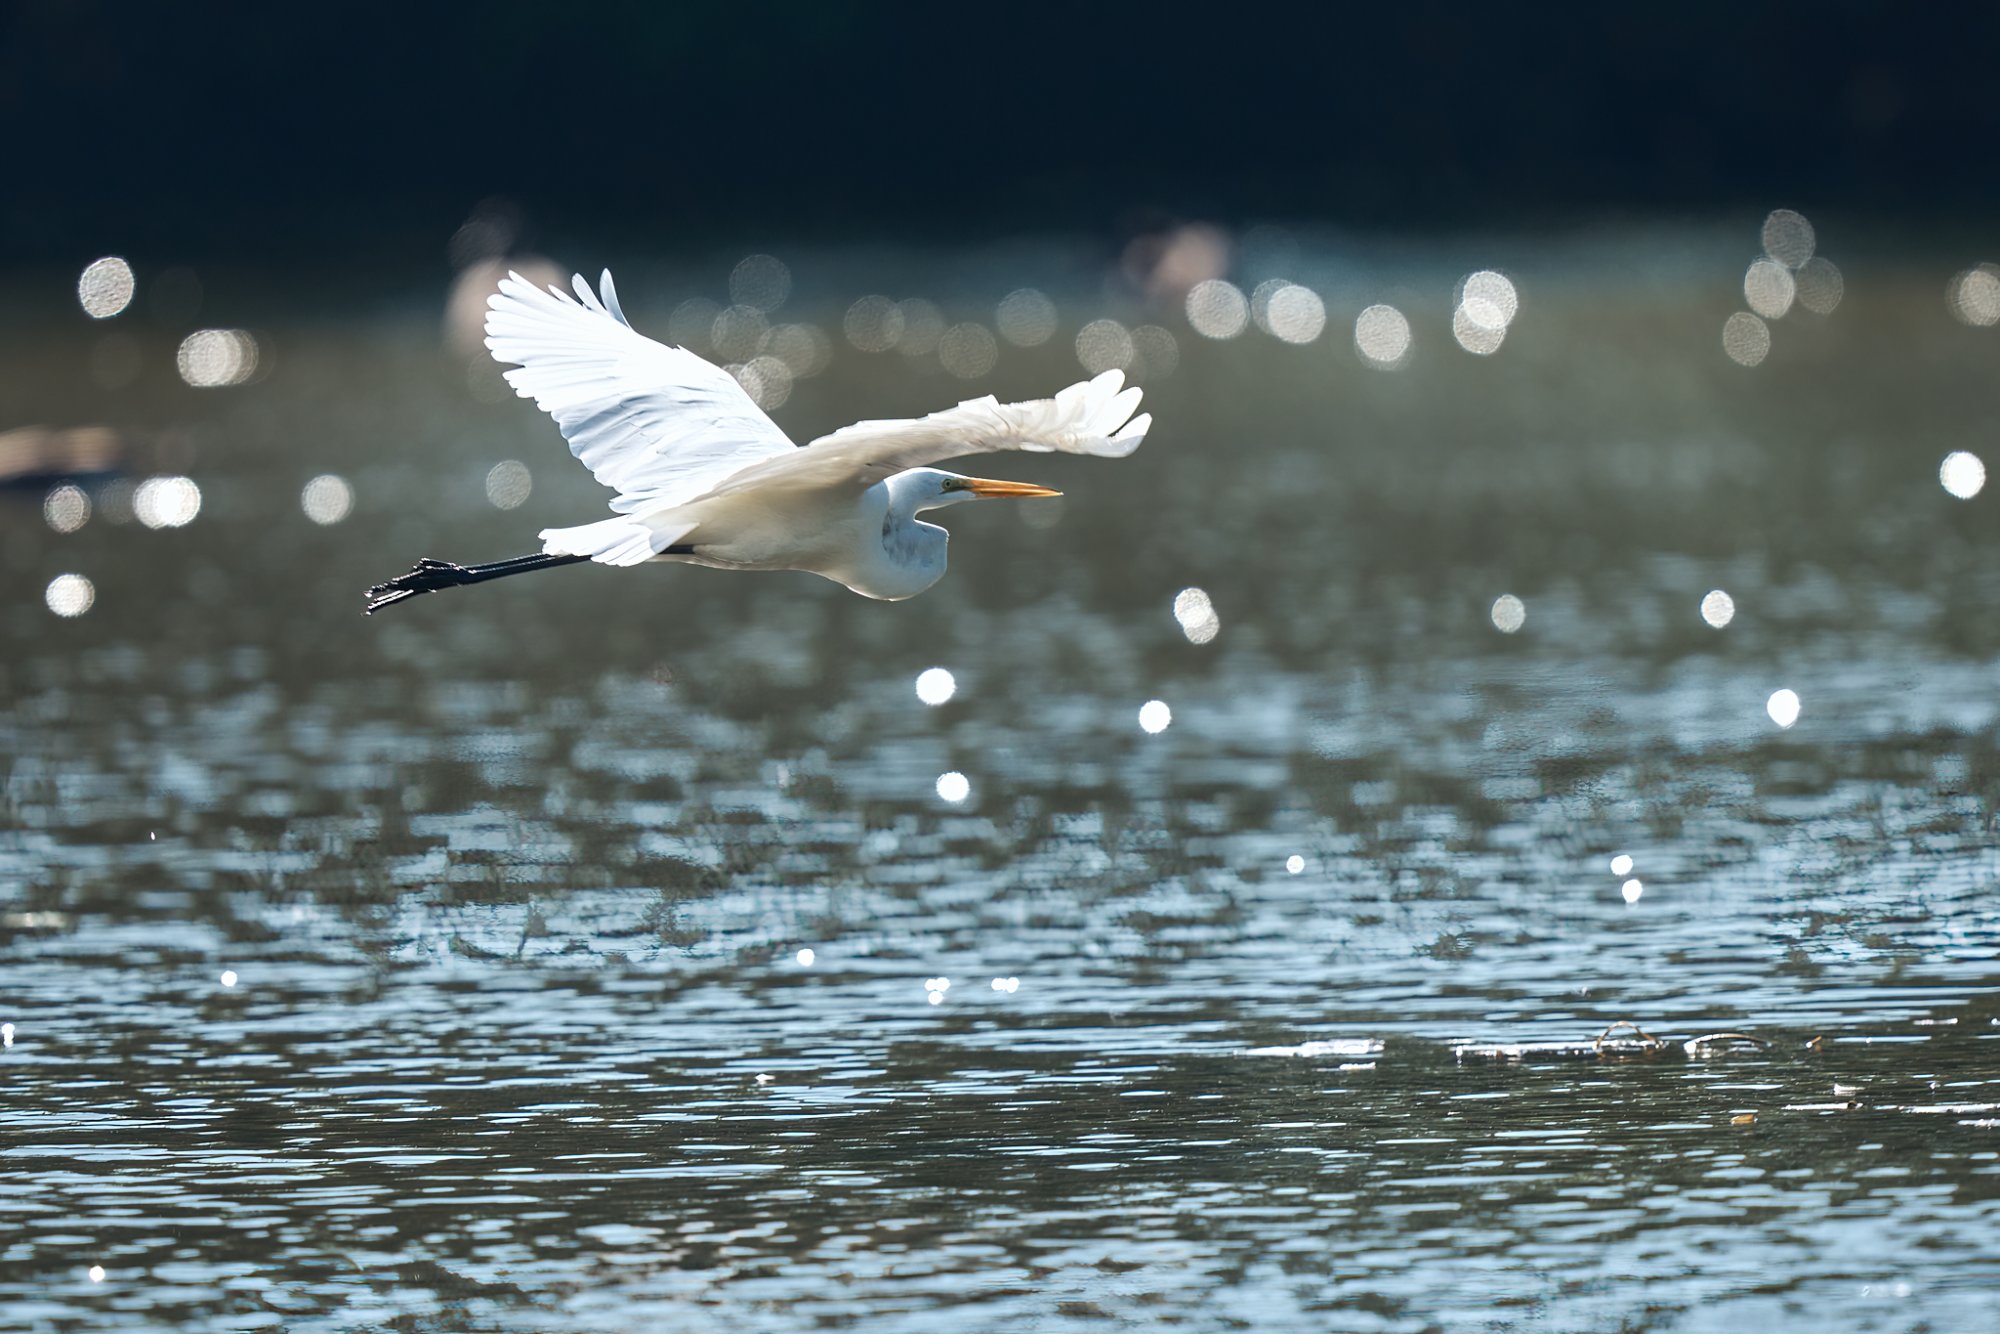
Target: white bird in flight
705,478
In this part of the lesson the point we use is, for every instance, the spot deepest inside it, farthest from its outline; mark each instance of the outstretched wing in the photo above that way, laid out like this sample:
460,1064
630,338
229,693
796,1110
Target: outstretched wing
1087,418
656,424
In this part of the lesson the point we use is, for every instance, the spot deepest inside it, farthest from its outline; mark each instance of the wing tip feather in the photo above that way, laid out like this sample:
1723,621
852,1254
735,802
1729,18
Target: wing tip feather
609,291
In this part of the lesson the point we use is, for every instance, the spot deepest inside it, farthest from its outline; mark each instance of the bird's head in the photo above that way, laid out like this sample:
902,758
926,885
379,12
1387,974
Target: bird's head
934,488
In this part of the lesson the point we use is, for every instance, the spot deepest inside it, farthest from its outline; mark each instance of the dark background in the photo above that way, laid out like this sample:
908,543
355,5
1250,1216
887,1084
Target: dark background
366,132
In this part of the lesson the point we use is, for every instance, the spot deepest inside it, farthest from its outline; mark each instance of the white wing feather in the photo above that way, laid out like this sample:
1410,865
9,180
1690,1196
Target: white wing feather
1087,418
657,424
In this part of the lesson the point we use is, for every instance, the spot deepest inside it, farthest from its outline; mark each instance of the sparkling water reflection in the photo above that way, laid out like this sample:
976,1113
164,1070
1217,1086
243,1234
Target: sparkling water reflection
631,949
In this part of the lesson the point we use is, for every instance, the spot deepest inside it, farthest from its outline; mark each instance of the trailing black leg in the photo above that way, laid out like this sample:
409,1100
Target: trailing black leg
428,576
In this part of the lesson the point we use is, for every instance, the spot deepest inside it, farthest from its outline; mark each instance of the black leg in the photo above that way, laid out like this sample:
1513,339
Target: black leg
428,576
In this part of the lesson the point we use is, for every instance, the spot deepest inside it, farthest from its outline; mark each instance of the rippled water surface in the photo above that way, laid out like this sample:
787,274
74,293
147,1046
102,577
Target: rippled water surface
596,951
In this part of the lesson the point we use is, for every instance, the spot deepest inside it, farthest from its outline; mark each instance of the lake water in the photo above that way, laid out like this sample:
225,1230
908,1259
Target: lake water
597,951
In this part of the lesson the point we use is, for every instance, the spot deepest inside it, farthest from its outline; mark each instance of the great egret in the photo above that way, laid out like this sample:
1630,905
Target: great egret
705,478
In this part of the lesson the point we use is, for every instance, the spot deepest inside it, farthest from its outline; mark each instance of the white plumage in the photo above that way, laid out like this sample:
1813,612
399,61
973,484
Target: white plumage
656,424
704,477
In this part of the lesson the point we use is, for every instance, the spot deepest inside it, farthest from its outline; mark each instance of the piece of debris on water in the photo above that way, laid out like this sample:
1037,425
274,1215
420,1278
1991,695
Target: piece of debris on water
1361,1052
1632,1044
1622,1041
1714,1044
1746,1119
1639,1045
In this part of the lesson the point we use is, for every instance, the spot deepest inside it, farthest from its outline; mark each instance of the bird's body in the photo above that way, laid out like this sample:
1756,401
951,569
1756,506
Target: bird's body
872,545
705,478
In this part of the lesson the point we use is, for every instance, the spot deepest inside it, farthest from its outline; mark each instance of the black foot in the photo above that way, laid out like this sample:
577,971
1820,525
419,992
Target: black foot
426,576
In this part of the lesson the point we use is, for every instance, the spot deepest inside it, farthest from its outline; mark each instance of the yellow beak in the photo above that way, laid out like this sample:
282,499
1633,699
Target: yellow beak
981,486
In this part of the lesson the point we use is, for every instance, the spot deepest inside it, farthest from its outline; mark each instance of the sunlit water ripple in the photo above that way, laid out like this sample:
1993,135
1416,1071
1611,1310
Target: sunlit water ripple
512,886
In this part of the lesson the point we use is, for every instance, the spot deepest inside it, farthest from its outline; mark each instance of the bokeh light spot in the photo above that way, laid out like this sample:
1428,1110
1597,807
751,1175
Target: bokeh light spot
509,484
1631,890
693,323
1509,613
1295,863
1294,314
738,332
105,287
1788,237
1820,285
1477,326
873,324
1768,288
66,508
1154,715
1026,317
1501,300
1217,308
935,685
1783,706
1483,310
327,498
69,595
1974,296
767,380
761,281
1103,345
1718,608
805,957
968,351
1621,865
1382,336
1746,339
804,348
213,358
1196,614
114,501
166,502
954,786
1042,515
1962,473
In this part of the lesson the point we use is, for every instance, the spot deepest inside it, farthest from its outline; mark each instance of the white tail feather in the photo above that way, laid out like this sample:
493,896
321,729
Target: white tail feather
611,541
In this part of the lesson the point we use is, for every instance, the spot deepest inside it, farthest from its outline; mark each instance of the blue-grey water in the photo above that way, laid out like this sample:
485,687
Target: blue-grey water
599,950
